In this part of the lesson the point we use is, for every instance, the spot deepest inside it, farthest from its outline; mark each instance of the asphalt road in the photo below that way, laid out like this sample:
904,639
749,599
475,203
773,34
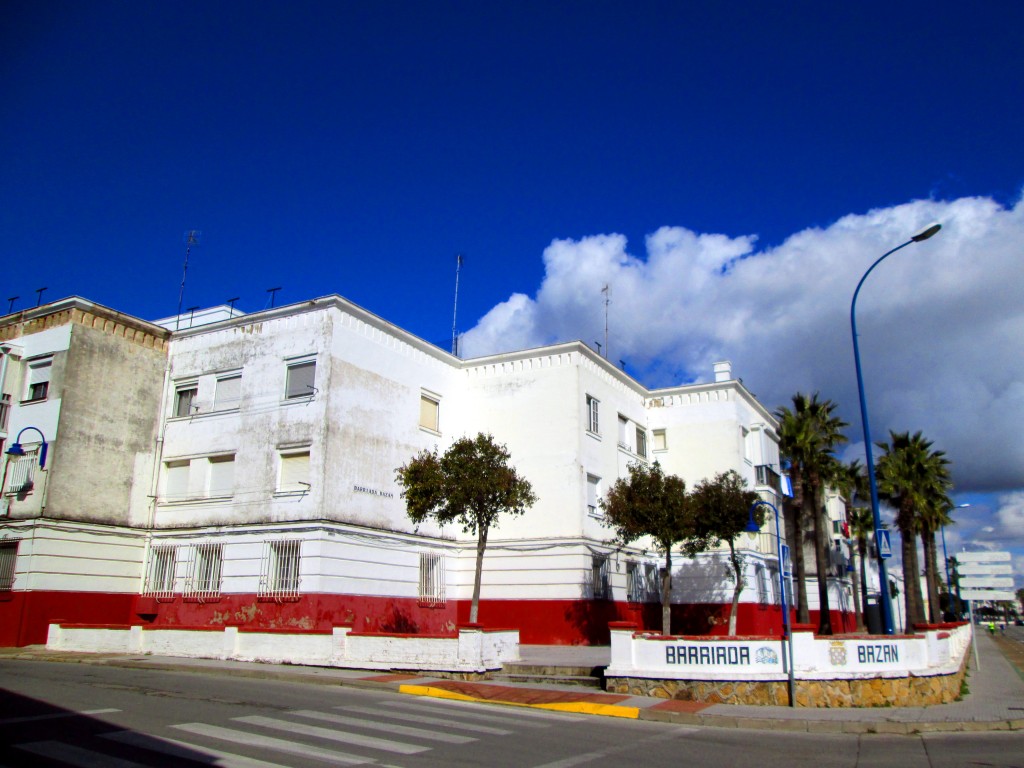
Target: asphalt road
59,714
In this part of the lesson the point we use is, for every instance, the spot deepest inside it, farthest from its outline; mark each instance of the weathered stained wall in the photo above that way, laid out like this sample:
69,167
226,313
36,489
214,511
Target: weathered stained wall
109,392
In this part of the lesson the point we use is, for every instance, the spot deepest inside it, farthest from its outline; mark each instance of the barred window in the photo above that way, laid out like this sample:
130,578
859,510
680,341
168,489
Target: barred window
599,577
432,577
8,560
21,471
279,569
635,591
203,577
163,561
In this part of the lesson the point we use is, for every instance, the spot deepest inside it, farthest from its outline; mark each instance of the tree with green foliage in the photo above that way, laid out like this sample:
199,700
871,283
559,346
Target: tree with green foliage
932,518
471,484
722,508
912,475
808,435
650,503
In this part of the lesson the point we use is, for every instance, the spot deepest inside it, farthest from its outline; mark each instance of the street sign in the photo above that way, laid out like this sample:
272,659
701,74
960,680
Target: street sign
787,564
884,545
985,576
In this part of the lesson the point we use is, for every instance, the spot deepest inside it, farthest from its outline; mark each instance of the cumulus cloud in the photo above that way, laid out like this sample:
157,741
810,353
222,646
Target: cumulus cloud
941,323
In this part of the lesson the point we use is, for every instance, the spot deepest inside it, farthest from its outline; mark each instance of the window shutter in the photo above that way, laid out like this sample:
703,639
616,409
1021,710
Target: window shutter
176,485
229,392
301,377
429,413
222,476
294,472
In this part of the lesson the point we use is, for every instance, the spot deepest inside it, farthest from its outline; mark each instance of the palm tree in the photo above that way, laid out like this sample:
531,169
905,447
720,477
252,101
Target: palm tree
932,518
807,436
913,477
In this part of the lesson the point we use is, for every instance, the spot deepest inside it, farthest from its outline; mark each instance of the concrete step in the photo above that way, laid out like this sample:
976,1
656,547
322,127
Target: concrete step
584,676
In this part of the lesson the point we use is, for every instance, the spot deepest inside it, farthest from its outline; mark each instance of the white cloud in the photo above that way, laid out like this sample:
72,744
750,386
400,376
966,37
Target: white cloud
941,323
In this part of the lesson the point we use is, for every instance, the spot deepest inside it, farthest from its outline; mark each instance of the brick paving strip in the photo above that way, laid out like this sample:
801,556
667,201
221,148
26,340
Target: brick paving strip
560,701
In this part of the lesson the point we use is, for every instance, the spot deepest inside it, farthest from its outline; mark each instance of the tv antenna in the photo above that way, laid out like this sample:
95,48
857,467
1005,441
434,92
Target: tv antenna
455,313
273,295
10,304
39,295
607,291
191,238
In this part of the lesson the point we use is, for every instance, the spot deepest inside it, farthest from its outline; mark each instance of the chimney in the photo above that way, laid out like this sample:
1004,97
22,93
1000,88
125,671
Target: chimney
723,371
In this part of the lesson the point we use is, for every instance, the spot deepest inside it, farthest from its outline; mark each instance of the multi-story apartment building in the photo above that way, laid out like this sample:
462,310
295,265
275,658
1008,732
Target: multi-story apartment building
242,472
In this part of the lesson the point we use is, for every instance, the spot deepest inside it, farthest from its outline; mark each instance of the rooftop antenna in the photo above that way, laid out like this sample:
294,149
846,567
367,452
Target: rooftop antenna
191,238
39,294
273,295
607,291
10,303
231,306
455,313
191,314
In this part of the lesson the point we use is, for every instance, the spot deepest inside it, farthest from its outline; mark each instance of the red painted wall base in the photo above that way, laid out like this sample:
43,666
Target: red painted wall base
25,616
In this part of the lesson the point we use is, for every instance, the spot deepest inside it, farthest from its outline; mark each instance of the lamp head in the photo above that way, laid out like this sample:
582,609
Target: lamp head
927,233
15,450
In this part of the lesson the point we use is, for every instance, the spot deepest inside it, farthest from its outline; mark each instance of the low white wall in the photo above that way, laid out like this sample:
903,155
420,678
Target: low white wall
474,650
645,655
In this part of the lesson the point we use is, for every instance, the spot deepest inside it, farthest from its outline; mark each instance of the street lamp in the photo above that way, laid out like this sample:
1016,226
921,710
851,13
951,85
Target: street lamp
883,573
17,450
753,527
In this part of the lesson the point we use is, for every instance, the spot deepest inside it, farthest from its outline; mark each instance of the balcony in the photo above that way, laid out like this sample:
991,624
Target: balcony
765,475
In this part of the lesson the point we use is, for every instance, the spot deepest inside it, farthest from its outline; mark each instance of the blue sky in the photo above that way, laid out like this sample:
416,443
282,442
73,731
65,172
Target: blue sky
729,169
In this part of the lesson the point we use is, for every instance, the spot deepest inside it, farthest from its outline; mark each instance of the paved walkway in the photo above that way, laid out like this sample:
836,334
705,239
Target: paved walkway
995,700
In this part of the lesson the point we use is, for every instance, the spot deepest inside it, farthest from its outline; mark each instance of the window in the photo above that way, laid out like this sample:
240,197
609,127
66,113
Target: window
660,442
593,492
294,472
37,385
652,578
229,393
176,480
301,377
429,412
5,410
21,471
203,578
748,444
163,560
635,591
599,577
641,443
279,570
593,423
431,578
8,559
763,587
623,426
184,400
222,476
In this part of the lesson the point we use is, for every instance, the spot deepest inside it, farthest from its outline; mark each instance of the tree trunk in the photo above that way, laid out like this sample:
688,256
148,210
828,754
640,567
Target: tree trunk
738,573
821,549
666,594
911,572
795,537
481,545
931,572
862,550
858,612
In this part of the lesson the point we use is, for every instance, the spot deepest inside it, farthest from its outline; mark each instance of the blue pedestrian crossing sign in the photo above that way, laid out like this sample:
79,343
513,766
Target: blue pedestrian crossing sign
884,545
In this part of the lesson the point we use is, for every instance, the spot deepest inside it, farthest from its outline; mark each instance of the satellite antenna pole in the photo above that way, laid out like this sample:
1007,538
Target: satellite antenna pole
39,299
273,295
607,291
455,313
191,238
10,305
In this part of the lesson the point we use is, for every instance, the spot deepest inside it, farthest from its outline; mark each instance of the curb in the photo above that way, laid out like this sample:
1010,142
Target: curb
580,707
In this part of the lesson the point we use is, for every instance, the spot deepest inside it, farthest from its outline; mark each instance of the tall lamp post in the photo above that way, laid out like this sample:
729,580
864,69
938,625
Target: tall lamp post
753,527
883,573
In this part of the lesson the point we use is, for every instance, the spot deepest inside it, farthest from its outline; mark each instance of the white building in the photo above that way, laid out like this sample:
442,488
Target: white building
254,467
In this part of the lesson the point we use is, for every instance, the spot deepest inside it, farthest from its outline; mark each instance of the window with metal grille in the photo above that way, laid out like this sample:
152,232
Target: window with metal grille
202,579
163,561
8,559
599,577
432,578
763,587
300,380
21,471
635,587
652,579
279,569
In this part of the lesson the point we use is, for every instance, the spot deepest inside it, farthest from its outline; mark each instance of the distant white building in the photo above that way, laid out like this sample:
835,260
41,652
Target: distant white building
242,472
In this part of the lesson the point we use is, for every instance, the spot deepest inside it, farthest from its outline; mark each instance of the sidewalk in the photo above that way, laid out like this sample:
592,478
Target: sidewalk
995,701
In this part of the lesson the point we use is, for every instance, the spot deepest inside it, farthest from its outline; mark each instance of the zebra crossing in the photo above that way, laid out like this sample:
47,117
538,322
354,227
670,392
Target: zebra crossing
343,735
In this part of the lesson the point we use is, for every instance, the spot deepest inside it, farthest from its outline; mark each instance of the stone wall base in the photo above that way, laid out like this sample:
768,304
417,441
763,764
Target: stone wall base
875,692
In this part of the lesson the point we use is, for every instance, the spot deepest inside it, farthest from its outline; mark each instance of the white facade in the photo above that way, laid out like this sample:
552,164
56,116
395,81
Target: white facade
267,494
